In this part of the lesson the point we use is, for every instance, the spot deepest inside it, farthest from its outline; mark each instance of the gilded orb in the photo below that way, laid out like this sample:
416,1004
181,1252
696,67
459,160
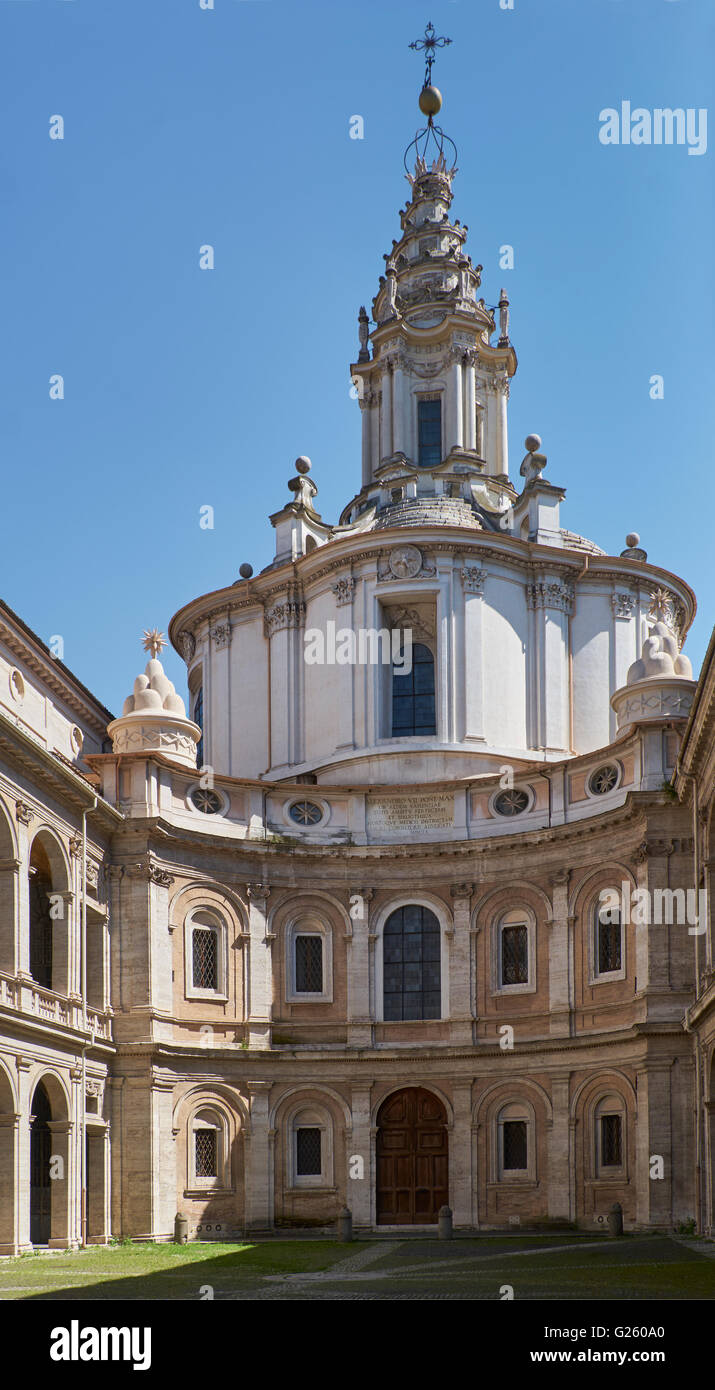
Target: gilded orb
430,101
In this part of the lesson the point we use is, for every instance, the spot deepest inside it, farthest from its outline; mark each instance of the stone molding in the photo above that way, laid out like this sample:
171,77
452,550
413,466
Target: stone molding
473,579
344,590
623,604
221,634
558,594
289,614
186,643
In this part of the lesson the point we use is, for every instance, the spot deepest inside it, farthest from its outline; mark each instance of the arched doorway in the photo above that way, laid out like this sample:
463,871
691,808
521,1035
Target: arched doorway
412,1159
40,1152
40,920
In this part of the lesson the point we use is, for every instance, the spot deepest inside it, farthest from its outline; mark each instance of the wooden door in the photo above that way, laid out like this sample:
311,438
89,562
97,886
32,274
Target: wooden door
412,1159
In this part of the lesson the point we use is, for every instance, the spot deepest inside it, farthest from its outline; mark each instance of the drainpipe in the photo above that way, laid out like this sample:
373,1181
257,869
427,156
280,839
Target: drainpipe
83,991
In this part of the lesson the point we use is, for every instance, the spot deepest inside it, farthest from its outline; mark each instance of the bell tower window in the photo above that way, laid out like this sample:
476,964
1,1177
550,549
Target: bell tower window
429,433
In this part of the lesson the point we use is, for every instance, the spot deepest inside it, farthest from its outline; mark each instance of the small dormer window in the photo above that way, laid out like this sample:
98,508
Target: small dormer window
429,433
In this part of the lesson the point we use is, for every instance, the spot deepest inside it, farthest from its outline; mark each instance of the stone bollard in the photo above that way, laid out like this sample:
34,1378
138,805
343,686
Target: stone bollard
444,1223
615,1220
345,1225
181,1229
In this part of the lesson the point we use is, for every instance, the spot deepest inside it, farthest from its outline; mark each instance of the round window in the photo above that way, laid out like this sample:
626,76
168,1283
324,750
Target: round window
207,801
305,813
511,803
603,780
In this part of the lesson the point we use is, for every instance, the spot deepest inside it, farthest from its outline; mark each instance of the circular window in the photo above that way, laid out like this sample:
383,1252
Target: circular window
77,738
207,801
17,686
603,780
305,813
512,802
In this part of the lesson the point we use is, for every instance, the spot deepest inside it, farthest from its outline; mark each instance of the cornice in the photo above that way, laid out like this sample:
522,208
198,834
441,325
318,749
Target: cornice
634,1034
491,858
53,673
343,551
21,750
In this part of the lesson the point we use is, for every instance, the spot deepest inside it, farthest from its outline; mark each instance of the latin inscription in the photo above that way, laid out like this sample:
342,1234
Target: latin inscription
392,815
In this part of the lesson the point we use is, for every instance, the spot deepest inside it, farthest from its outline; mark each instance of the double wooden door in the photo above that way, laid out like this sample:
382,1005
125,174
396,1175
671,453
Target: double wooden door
412,1159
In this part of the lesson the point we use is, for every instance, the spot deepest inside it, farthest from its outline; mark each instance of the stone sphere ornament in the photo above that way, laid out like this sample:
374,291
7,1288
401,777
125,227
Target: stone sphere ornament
245,570
633,539
430,101
532,443
303,464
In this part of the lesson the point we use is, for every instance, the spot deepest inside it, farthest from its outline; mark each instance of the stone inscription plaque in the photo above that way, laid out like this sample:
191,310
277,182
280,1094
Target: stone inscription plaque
395,815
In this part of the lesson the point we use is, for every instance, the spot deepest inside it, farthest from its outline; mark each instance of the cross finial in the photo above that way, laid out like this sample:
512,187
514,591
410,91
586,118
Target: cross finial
429,43
154,641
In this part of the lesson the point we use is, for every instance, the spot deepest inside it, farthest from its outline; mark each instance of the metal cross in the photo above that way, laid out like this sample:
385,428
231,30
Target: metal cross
429,43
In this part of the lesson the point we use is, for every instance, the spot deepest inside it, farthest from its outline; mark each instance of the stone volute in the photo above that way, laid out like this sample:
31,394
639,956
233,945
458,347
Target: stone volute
153,717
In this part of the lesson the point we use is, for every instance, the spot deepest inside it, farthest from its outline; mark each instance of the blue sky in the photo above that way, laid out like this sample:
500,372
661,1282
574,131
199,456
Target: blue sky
185,387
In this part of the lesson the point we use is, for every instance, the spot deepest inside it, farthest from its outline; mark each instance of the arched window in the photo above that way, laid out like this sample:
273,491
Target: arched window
610,1136
413,703
607,947
40,1168
208,1150
205,954
514,964
197,715
40,920
310,1148
515,1142
309,960
412,983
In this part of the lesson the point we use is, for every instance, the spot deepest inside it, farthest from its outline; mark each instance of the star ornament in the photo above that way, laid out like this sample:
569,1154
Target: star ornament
154,641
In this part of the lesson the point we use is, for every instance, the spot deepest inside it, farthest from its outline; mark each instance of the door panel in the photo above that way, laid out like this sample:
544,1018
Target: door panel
412,1159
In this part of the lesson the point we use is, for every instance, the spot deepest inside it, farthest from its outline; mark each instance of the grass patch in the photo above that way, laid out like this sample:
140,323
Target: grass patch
162,1271
564,1267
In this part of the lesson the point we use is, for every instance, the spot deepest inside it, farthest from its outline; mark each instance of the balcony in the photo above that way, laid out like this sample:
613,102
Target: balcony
23,996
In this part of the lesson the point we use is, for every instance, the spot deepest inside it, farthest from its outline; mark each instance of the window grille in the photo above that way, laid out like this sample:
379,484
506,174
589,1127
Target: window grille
205,958
515,955
611,1147
308,965
206,1147
603,780
514,1145
308,1153
609,944
511,803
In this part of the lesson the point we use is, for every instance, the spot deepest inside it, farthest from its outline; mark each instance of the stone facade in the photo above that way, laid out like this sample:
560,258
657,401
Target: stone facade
341,964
